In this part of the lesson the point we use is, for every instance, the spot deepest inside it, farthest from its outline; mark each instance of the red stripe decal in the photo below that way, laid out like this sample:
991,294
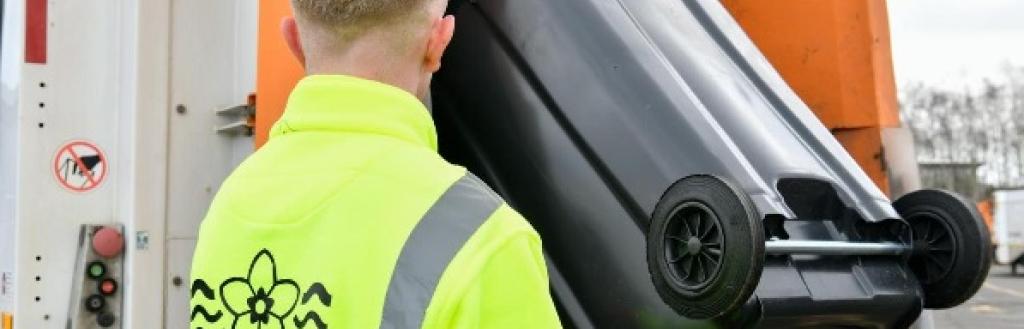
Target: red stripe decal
35,31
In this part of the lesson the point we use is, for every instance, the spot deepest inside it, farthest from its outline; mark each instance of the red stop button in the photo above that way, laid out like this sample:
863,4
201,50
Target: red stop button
108,242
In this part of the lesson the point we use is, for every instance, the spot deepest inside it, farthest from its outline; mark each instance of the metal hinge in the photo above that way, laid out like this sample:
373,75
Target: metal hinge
243,118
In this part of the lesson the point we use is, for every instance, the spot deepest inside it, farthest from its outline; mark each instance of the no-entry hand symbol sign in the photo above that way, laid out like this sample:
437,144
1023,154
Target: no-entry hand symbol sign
80,166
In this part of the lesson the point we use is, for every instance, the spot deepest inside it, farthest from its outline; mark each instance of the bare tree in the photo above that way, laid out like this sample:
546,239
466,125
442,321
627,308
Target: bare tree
984,126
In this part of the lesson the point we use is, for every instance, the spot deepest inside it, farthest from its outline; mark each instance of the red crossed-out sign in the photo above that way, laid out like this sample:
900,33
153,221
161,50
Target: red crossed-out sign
80,166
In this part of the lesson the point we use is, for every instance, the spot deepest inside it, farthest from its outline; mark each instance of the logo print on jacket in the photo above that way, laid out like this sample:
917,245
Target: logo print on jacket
261,299
200,286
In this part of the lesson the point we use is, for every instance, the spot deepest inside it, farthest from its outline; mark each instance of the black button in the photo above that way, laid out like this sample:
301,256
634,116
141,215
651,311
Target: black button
95,303
105,320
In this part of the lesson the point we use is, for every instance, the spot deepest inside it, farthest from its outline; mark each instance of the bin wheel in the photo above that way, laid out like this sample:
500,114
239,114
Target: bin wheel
951,243
705,247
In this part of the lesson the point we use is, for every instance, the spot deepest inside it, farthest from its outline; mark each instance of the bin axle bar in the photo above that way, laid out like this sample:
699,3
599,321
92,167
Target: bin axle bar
836,248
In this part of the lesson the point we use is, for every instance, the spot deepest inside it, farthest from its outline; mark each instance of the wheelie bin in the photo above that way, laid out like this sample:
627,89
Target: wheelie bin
678,182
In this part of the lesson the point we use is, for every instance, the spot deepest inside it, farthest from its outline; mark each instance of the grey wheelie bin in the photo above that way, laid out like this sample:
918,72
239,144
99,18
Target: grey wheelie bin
678,182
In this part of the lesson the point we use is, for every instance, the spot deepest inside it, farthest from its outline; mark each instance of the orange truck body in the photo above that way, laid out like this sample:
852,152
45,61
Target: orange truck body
837,56
277,70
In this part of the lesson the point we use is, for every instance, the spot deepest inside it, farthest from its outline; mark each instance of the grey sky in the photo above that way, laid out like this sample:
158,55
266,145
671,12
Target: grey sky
952,43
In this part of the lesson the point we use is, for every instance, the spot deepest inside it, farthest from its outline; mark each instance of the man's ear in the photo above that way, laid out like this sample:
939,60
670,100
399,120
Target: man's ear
440,36
290,30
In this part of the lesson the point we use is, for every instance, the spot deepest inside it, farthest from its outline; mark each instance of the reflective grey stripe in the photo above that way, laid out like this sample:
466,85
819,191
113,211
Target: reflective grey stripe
438,236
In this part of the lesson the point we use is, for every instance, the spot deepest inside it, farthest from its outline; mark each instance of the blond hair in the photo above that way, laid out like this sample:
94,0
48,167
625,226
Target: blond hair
350,18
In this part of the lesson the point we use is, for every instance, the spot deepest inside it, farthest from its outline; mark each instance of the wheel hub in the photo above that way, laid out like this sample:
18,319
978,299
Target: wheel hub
933,247
694,244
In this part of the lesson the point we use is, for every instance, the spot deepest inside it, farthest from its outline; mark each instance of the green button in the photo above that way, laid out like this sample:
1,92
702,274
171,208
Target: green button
96,270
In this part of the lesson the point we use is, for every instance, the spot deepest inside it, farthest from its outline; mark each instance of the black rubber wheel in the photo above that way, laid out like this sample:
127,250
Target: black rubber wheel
705,247
952,248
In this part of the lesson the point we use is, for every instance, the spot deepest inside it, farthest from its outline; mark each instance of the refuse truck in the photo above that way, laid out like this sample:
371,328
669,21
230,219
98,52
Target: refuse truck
678,182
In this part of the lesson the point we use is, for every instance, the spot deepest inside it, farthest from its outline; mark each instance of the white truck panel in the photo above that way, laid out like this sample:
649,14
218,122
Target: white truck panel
1008,221
114,75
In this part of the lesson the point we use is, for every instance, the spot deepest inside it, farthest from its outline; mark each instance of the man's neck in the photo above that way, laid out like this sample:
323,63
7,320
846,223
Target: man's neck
371,62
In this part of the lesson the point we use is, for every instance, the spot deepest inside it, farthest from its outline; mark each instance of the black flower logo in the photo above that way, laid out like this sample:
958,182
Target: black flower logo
260,300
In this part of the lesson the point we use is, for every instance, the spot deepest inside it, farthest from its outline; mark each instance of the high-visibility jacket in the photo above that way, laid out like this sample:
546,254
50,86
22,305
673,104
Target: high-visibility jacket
348,218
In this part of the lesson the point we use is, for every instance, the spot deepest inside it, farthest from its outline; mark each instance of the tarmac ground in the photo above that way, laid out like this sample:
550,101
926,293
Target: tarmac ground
999,304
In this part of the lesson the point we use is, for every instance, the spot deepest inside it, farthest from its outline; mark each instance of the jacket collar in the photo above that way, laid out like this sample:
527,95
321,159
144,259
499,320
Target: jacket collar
348,104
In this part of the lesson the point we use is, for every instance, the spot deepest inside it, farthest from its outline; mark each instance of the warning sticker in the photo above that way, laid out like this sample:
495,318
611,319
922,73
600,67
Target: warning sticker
80,166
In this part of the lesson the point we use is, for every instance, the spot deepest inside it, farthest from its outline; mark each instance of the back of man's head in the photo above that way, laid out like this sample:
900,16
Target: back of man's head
396,21
378,35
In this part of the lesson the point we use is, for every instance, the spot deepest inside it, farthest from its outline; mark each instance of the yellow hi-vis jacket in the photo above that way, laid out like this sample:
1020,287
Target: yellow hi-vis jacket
348,218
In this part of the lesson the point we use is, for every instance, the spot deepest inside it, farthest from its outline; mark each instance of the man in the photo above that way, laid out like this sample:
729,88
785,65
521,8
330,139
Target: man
347,217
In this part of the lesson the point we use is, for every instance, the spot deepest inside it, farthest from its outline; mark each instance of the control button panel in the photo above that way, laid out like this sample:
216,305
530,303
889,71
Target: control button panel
96,296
